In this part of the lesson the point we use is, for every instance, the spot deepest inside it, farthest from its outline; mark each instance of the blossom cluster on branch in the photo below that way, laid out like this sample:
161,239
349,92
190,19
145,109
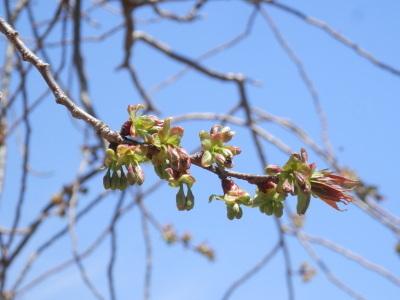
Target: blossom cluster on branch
150,139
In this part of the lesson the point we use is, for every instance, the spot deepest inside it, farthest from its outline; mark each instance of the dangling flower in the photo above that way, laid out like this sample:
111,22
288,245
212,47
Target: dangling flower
233,197
332,188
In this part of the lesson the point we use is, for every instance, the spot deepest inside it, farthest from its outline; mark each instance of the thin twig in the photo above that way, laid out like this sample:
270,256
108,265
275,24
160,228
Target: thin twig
189,17
305,78
212,52
74,238
362,261
250,273
149,254
113,248
47,244
61,97
329,275
334,34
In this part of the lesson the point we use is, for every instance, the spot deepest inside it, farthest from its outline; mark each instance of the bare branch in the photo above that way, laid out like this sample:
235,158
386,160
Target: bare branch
334,34
59,94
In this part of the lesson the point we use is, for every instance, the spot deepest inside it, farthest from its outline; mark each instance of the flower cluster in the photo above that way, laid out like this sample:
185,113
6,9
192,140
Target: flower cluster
124,167
149,139
299,178
214,148
268,200
233,197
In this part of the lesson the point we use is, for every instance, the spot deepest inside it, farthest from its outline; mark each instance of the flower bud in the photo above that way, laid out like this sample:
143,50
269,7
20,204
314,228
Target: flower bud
302,182
228,185
240,213
186,238
206,159
169,234
173,157
177,130
109,157
226,152
273,170
204,135
230,212
139,174
126,128
206,144
397,249
269,208
189,199
130,175
278,209
303,200
267,186
234,149
110,153
57,199
180,199
262,207
236,209
227,134
220,159
184,159
303,155
114,181
133,108
123,181
215,129
288,186
187,179
107,180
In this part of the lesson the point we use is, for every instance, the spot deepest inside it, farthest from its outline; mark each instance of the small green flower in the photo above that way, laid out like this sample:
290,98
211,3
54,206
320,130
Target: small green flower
214,148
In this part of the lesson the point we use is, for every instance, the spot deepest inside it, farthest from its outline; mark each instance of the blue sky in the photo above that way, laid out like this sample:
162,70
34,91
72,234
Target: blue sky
362,106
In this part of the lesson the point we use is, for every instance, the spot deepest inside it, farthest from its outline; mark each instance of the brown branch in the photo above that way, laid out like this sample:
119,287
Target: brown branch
61,97
46,245
139,87
211,52
189,17
79,60
78,113
251,178
34,226
25,160
89,249
72,203
149,40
